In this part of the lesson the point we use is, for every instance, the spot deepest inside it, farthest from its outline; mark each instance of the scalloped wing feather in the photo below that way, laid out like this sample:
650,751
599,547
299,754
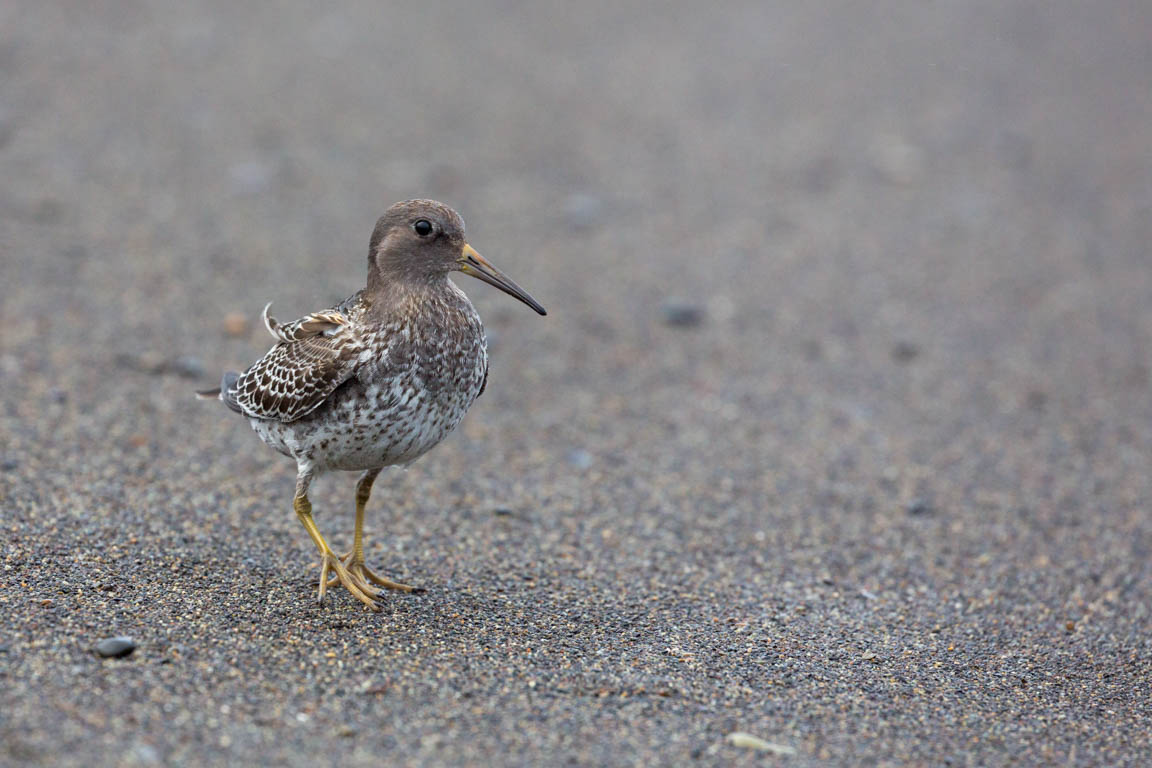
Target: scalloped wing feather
326,321
316,354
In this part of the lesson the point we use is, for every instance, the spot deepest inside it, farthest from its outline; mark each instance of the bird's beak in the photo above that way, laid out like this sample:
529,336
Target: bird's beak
472,263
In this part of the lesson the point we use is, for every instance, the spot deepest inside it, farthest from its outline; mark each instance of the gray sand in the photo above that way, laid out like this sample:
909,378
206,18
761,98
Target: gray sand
838,432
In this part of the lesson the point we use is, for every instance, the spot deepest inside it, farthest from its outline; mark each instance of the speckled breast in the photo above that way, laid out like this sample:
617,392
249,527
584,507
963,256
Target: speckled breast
391,413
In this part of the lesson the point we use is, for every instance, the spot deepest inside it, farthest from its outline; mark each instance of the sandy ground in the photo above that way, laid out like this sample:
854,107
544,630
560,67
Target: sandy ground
838,432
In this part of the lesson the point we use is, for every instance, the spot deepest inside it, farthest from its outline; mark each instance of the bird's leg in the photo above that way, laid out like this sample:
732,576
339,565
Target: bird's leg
329,560
363,491
355,559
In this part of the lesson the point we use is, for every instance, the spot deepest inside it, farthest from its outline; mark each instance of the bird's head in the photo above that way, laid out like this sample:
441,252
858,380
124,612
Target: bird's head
423,240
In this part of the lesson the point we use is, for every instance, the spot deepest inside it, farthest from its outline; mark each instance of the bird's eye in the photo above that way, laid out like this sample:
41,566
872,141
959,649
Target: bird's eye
423,227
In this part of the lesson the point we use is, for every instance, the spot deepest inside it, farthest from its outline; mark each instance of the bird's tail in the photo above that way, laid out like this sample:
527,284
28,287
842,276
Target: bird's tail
223,392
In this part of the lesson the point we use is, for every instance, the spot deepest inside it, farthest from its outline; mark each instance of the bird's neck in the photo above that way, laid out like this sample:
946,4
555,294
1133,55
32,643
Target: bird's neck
397,279
391,294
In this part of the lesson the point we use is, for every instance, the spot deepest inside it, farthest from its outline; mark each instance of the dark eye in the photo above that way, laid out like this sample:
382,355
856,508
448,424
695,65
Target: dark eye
423,227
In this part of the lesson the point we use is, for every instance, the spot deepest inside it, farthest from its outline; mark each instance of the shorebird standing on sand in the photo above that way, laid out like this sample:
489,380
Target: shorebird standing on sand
380,378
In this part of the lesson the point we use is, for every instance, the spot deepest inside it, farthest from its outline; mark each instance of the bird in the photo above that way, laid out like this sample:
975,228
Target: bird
377,380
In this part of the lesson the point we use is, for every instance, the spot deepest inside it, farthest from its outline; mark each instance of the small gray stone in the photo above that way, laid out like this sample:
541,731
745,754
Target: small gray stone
679,313
146,754
905,351
187,366
115,647
918,507
580,458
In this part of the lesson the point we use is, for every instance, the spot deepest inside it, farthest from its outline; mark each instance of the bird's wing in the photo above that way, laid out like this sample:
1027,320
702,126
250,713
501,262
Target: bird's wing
324,321
314,356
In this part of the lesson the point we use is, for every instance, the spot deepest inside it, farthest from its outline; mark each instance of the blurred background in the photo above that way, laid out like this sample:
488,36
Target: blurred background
847,353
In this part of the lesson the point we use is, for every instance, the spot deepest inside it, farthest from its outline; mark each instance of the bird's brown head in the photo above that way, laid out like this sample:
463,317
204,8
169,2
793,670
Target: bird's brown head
421,241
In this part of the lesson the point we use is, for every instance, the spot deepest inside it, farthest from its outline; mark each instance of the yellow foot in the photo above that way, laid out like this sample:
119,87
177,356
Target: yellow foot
364,578
354,584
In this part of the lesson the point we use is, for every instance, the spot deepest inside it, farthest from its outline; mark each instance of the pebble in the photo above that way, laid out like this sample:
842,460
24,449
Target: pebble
235,324
115,647
187,366
918,507
146,754
679,313
9,464
748,741
905,351
580,458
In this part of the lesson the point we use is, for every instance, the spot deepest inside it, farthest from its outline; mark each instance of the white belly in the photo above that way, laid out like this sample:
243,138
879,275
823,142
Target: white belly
365,427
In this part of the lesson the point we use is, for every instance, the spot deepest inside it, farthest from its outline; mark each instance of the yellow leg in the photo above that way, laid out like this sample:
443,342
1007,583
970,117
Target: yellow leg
328,558
363,491
355,559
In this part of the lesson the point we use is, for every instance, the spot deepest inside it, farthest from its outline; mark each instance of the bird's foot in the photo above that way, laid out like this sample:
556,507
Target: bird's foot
353,583
364,578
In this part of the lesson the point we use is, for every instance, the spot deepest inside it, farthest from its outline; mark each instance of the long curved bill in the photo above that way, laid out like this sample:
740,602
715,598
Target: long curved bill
472,263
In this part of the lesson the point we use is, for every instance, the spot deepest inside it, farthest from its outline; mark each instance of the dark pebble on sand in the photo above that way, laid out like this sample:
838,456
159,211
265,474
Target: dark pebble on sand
115,647
682,314
918,507
905,351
